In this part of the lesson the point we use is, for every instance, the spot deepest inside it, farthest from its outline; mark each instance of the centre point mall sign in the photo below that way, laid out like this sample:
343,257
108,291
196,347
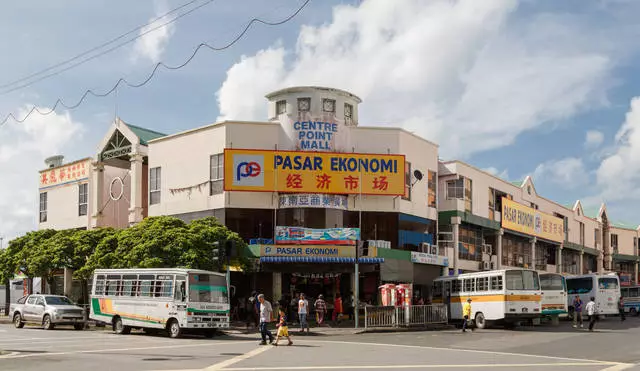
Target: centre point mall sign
313,172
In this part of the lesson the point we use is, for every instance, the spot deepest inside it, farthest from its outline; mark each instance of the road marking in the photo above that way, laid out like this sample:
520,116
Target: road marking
382,367
461,350
618,367
234,360
52,338
200,344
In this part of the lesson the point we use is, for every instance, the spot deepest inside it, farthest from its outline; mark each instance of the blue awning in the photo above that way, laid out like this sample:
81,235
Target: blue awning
313,259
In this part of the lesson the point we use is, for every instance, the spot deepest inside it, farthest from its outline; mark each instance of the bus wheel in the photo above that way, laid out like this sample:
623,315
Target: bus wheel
119,328
209,334
174,329
481,323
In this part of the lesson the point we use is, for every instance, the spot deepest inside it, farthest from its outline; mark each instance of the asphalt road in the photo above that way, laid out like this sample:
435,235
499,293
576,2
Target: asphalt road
612,348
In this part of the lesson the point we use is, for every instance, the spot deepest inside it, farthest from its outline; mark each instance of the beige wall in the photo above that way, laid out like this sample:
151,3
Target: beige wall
62,207
625,240
115,213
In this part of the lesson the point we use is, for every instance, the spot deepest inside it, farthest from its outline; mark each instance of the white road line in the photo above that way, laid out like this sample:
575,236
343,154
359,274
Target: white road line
618,367
21,339
393,367
108,350
222,365
460,350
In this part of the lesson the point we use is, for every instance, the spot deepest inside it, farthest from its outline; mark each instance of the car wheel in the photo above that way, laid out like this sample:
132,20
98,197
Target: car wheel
17,321
174,329
481,323
119,328
46,322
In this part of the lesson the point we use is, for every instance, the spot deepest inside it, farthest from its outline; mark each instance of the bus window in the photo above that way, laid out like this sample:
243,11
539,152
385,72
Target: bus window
456,285
496,283
632,292
607,283
551,282
522,280
146,285
207,288
580,285
437,290
113,283
482,284
469,284
99,285
129,281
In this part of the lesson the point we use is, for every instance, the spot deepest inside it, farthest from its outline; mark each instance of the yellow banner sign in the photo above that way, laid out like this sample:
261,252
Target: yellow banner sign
523,219
313,172
73,172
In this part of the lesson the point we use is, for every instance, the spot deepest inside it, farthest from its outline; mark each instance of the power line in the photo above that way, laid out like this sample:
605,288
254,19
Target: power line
153,72
89,51
104,52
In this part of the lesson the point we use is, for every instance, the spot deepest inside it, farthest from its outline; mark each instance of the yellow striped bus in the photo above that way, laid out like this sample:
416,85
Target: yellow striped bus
506,297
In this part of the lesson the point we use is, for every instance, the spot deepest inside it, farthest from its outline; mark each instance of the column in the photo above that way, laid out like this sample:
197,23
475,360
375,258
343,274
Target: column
600,263
635,273
97,193
277,287
533,253
559,258
135,206
499,249
455,223
68,281
581,262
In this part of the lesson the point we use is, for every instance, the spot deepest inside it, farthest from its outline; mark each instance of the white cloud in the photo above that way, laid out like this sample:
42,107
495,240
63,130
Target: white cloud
619,173
23,148
152,45
568,173
593,139
504,174
462,73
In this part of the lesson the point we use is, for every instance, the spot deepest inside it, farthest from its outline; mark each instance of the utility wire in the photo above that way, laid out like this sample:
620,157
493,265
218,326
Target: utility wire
118,46
153,72
89,51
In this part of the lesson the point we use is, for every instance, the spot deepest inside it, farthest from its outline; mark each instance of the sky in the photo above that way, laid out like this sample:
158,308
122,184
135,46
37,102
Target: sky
543,88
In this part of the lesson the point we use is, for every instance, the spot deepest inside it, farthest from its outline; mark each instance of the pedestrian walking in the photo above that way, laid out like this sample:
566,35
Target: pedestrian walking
591,311
321,309
337,308
303,310
466,312
283,328
577,312
265,317
621,309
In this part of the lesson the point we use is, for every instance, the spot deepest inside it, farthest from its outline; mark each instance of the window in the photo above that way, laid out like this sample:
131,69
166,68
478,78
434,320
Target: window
407,181
469,284
431,189
456,285
579,285
154,185
471,242
207,288
43,207
99,285
455,189
437,289
145,284
31,300
492,203
163,286
607,283
596,236
482,284
551,282
522,280
534,206
304,104
83,198
614,243
467,195
281,107
113,286
216,174
496,283
329,105
40,300
581,233
348,114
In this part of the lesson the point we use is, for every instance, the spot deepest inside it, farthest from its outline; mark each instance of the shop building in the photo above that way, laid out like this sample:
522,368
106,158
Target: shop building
488,223
624,249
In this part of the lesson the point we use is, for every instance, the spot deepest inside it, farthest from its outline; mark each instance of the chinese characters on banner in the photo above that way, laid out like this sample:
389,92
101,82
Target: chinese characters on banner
322,201
520,218
309,236
313,172
64,174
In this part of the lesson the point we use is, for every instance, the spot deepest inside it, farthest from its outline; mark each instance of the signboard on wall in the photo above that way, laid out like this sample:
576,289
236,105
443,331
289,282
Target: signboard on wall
310,236
313,172
315,200
424,258
308,251
72,172
523,219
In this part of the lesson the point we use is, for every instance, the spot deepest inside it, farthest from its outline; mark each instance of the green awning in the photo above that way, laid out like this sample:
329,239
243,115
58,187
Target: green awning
444,217
625,257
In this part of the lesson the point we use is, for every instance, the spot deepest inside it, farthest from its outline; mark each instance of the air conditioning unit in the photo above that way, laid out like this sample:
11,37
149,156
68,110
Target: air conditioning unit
486,266
492,265
425,247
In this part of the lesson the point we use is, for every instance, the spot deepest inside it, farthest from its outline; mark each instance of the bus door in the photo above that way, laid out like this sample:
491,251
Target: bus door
180,296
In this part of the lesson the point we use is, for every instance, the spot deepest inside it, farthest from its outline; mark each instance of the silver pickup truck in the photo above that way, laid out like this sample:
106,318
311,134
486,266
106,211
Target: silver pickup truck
48,311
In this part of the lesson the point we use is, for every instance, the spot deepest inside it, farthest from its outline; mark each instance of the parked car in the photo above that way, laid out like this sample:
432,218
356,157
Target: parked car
48,311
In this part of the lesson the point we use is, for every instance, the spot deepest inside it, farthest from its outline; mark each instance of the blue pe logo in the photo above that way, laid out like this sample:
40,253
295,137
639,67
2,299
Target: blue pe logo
248,170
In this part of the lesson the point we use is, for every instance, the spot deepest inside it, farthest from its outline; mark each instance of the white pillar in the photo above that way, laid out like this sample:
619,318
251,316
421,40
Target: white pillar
581,262
499,249
135,207
68,281
96,195
533,253
277,287
559,258
455,223
600,263
635,272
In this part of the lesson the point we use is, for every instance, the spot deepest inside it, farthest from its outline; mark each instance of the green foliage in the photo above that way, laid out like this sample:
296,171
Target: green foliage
154,243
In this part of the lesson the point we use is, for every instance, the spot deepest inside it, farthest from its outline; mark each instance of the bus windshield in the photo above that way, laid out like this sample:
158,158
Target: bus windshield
551,282
608,283
207,288
522,280
581,285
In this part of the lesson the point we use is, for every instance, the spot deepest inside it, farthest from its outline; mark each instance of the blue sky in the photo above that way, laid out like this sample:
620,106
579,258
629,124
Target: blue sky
510,86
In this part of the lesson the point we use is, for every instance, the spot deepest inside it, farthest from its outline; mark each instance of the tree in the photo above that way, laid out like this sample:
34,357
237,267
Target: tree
22,252
6,274
90,248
